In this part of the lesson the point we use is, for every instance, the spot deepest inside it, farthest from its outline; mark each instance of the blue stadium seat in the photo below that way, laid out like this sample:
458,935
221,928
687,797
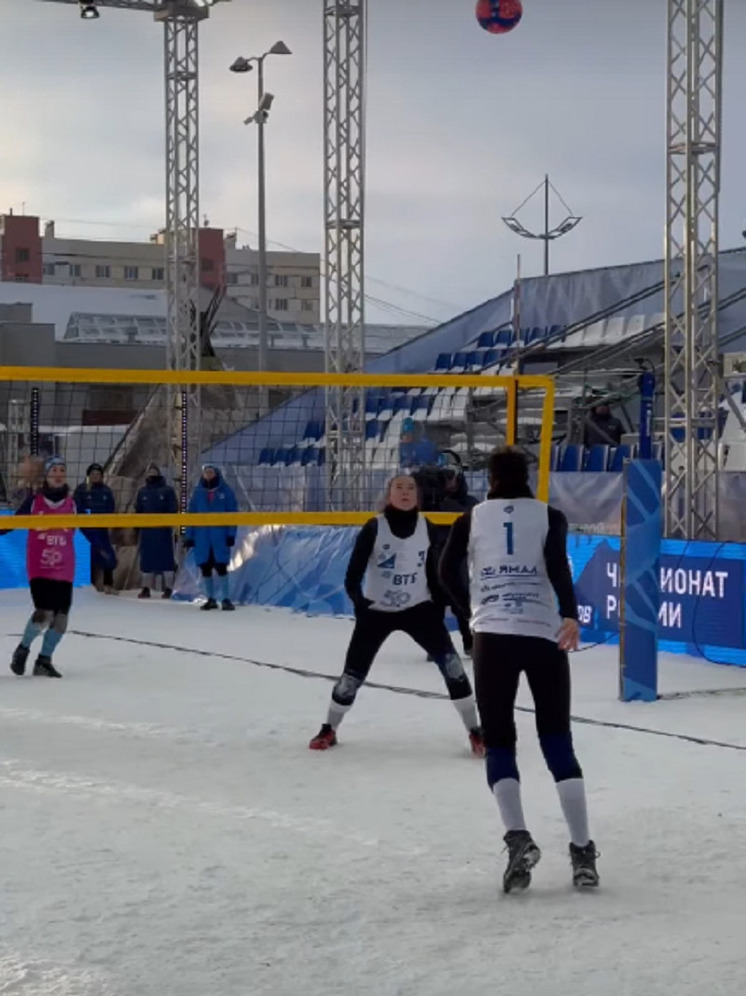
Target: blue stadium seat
459,363
443,363
421,407
372,405
533,334
620,454
386,408
372,429
598,458
294,456
403,403
504,337
572,457
281,456
555,329
493,356
486,340
314,432
554,456
474,360
266,457
314,457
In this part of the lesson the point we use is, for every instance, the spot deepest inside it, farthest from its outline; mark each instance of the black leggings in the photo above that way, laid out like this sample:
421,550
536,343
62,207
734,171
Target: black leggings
424,624
498,663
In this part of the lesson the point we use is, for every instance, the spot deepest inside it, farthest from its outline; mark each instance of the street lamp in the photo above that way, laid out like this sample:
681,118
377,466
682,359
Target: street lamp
549,234
264,103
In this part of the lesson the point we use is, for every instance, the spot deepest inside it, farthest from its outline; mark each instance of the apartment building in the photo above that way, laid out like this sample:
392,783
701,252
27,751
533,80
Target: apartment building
28,255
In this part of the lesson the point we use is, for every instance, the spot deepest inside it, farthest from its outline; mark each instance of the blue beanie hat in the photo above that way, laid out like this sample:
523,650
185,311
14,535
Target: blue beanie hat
54,461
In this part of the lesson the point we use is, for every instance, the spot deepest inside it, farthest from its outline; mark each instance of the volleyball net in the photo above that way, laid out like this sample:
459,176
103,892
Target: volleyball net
296,448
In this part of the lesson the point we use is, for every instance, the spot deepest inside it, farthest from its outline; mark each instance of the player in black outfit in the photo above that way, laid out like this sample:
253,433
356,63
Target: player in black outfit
415,614
508,604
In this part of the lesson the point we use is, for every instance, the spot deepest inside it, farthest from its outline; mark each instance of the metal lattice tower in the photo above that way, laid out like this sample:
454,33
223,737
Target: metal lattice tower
181,62
695,54
181,20
345,33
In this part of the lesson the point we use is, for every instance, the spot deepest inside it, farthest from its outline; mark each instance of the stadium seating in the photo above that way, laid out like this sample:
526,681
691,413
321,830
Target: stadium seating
597,458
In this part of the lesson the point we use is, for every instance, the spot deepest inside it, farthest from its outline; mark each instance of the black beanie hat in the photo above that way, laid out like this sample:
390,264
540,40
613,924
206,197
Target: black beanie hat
94,466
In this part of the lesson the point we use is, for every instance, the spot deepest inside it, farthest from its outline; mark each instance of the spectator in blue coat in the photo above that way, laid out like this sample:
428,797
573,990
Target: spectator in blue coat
96,498
415,449
212,544
156,544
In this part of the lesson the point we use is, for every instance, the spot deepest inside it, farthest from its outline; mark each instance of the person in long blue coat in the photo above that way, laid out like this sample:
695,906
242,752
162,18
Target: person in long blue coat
95,497
212,544
156,543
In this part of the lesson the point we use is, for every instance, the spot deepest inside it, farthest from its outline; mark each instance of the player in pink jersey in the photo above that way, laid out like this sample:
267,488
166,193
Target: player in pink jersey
50,565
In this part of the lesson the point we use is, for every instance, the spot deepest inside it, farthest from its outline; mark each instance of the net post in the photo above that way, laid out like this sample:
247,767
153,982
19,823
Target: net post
545,444
511,428
642,529
34,422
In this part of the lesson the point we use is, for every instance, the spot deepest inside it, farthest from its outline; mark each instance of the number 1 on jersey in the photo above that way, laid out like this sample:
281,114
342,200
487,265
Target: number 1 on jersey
509,537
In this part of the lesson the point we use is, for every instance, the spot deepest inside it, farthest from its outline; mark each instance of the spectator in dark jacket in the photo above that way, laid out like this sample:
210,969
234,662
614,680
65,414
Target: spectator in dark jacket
601,427
156,544
96,498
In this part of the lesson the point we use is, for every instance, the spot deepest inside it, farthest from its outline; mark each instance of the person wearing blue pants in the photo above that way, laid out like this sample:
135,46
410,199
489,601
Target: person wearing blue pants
212,544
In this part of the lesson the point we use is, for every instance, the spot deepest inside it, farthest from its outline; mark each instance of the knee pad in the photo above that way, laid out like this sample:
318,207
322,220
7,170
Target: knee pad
451,667
559,754
346,689
501,764
59,623
41,617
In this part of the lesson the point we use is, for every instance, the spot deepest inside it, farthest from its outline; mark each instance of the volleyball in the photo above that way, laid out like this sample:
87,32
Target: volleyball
499,16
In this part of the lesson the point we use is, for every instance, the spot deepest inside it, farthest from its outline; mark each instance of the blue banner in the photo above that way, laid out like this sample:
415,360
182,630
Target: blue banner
702,595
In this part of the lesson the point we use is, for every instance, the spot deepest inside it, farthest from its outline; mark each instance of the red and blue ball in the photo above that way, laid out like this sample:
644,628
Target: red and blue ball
499,16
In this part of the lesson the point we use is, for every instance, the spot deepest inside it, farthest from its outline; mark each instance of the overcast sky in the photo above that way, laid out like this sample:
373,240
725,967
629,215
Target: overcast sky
462,125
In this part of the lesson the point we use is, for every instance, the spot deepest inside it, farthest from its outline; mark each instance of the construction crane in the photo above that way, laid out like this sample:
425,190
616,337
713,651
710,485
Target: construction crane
180,19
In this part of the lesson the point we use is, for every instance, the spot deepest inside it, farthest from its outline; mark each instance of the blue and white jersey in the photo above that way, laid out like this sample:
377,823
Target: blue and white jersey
509,587
396,577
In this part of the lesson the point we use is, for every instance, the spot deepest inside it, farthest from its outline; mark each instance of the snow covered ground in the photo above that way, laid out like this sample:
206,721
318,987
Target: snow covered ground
166,832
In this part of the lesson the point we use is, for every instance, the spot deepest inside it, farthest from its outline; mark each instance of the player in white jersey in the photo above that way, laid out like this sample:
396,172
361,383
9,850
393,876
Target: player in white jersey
524,619
394,554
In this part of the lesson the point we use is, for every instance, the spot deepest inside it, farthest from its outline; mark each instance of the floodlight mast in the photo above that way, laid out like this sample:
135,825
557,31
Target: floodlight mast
180,19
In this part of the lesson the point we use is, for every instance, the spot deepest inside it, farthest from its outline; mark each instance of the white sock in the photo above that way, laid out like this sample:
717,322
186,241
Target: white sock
336,713
467,710
571,792
508,794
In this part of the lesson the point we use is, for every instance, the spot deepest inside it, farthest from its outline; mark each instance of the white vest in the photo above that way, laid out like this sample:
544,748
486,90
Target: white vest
508,584
396,577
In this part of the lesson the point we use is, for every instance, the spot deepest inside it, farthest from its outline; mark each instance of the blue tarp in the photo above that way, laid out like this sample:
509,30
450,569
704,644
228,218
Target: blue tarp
702,584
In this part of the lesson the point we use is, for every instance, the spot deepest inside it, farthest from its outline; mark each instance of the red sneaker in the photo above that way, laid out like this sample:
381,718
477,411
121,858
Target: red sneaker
324,739
476,742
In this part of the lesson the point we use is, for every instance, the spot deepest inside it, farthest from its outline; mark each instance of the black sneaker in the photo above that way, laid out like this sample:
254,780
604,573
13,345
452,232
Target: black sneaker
584,873
167,592
228,605
18,660
523,855
43,668
145,593
209,604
